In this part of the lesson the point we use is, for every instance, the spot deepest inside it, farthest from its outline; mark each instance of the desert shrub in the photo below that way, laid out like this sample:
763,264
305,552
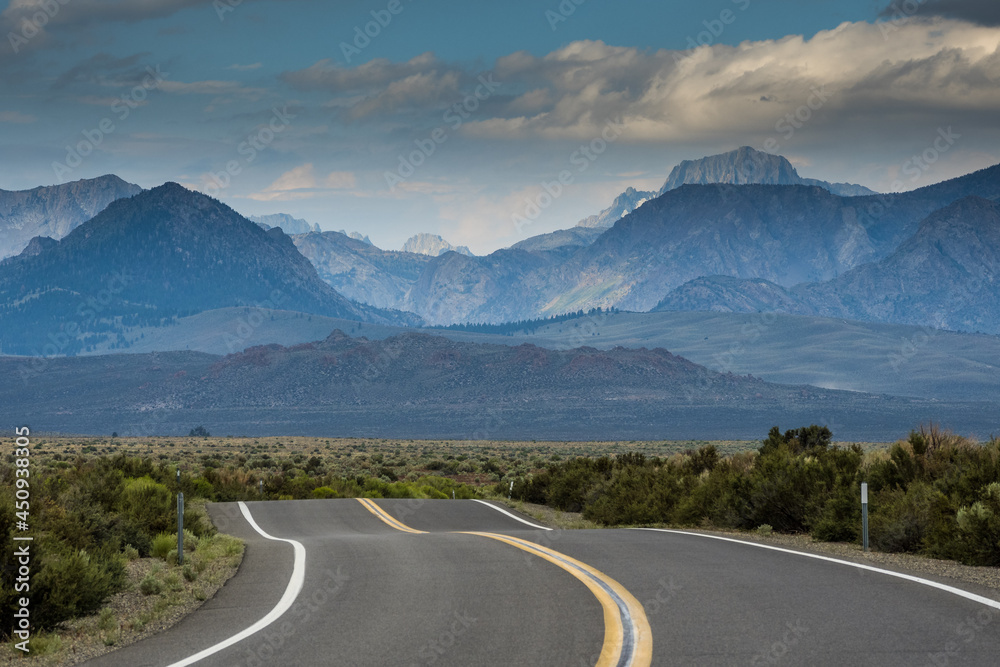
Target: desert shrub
150,585
428,491
703,459
570,484
325,492
128,532
107,620
190,540
797,440
196,520
978,530
841,517
900,520
172,582
73,583
149,503
45,643
896,472
782,487
162,544
203,488
635,494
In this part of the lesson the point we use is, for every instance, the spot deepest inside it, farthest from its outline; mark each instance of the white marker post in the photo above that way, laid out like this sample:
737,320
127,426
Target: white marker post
511,491
864,515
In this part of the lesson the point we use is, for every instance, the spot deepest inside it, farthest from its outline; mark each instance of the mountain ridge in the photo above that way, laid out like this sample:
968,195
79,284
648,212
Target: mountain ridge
160,254
748,166
427,386
55,210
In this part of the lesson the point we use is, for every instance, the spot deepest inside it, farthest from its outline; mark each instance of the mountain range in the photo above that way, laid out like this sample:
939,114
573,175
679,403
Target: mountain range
415,385
161,254
780,233
943,276
789,235
789,248
156,266
56,210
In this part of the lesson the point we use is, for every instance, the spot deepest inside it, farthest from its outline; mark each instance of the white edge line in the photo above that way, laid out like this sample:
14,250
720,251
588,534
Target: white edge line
909,577
291,592
512,516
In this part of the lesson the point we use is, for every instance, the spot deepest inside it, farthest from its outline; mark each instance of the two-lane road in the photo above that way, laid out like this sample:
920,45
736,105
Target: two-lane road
411,582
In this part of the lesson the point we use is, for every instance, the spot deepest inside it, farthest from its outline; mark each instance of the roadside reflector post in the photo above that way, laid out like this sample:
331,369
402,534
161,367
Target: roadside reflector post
261,487
453,494
180,528
511,491
864,515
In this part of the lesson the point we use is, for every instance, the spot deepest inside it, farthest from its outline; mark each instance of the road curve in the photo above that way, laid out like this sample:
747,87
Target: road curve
375,593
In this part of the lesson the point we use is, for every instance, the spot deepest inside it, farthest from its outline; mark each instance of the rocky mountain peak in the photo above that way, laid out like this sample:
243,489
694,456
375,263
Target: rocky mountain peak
433,245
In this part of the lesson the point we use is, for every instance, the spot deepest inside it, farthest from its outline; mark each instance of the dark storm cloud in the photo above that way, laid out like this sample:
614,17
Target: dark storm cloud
983,12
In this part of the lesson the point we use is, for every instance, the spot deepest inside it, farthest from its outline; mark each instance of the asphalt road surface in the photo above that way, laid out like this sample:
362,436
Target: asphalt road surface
457,582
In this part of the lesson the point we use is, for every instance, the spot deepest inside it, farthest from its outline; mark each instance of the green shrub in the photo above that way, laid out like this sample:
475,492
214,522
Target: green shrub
162,545
190,540
150,585
900,520
45,643
841,517
74,583
189,573
149,503
979,529
172,581
107,620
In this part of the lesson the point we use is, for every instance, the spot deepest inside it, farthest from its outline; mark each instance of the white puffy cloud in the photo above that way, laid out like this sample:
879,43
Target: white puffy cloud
857,73
302,183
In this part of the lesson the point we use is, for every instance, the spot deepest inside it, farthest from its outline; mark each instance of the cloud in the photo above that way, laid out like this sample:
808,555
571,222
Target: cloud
340,180
982,12
302,183
82,12
381,87
328,76
103,69
224,92
854,77
212,88
16,117
855,80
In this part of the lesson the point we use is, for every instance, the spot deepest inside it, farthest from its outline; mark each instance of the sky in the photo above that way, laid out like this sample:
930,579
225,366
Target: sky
487,122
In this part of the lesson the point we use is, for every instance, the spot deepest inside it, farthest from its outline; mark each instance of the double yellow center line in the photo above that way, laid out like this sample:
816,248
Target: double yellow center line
387,518
628,639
